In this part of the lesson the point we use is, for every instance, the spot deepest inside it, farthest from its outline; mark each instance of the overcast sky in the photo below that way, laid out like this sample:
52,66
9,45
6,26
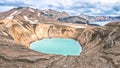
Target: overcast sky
73,7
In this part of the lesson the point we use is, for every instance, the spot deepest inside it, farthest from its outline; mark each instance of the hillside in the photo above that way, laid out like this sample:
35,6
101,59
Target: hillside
34,16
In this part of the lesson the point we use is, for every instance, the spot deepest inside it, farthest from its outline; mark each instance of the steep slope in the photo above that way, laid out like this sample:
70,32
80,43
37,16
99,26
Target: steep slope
24,32
27,14
34,16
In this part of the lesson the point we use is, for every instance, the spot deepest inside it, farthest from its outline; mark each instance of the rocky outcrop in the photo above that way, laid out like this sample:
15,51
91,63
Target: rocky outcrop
22,33
54,30
25,33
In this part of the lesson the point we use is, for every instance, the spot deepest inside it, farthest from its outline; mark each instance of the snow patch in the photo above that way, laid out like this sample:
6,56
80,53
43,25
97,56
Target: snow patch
10,17
13,13
38,14
19,12
75,26
31,22
4,33
44,12
35,21
79,26
26,18
31,10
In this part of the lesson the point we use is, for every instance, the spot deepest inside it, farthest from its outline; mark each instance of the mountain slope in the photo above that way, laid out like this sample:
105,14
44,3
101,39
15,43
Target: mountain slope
34,16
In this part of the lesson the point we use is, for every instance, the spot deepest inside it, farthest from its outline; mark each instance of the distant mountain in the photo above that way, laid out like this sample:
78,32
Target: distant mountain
42,16
28,14
35,12
100,18
74,19
34,16
55,14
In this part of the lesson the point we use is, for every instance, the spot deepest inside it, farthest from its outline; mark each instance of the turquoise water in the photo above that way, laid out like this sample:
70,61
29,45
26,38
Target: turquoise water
59,46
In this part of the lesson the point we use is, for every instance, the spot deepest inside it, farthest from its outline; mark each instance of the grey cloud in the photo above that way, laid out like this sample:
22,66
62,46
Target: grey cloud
14,3
76,7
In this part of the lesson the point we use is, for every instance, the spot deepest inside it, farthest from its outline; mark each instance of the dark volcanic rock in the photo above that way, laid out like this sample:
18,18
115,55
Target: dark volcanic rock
100,18
74,19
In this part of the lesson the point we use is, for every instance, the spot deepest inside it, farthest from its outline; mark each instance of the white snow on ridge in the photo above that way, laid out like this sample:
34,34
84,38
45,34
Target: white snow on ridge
13,13
31,22
19,12
31,10
26,18
79,26
10,17
44,12
36,21
38,14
